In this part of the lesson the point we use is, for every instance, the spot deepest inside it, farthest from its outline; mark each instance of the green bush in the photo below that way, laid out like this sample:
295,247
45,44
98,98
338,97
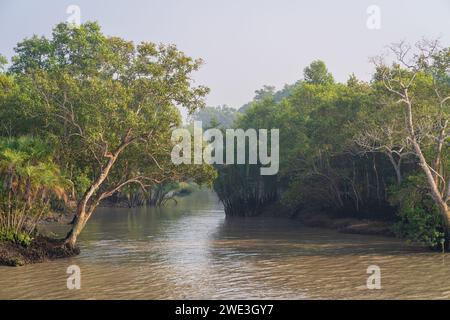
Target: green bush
16,237
419,225
419,219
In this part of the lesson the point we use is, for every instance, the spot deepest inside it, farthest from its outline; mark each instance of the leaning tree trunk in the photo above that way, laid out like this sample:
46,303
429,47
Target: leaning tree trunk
86,206
438,198
78,224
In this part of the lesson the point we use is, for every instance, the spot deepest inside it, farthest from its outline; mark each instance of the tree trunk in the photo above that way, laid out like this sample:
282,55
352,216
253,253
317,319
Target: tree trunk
396,166
438,198
78,225
84,208
434,189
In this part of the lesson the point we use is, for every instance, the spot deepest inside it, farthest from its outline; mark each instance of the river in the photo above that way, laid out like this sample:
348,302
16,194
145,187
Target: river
191,251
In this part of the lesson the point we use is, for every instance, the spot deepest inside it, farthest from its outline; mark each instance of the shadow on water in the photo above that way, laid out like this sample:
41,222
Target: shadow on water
280,234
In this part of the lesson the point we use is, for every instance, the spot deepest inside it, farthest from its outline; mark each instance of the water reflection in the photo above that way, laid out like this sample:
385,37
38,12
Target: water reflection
192,251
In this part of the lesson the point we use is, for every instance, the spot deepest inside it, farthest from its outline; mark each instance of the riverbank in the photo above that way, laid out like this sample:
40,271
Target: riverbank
41,249
318,219
348,225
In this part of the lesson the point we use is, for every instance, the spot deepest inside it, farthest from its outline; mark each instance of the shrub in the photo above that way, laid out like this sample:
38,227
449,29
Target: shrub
29,180
419,219
10,235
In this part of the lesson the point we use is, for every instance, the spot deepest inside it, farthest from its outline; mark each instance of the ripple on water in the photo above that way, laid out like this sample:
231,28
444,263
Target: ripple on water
192,252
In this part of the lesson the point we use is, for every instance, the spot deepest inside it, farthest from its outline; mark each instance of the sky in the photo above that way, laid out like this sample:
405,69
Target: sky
248,43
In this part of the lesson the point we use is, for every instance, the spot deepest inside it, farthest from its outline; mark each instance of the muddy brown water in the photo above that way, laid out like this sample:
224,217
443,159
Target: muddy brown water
191,251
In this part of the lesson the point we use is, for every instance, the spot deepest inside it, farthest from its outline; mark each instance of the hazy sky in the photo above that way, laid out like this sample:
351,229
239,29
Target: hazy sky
245,44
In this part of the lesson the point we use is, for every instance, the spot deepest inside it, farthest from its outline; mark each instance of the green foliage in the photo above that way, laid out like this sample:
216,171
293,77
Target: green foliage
81,182
222,116
317,73
21,238
104,100
29,179
418,224
339,142
419,220
243,191
268,92
241,187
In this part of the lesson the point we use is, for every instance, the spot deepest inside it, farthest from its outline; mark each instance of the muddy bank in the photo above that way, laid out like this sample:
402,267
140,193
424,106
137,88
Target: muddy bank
41,249
348,225
315,218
